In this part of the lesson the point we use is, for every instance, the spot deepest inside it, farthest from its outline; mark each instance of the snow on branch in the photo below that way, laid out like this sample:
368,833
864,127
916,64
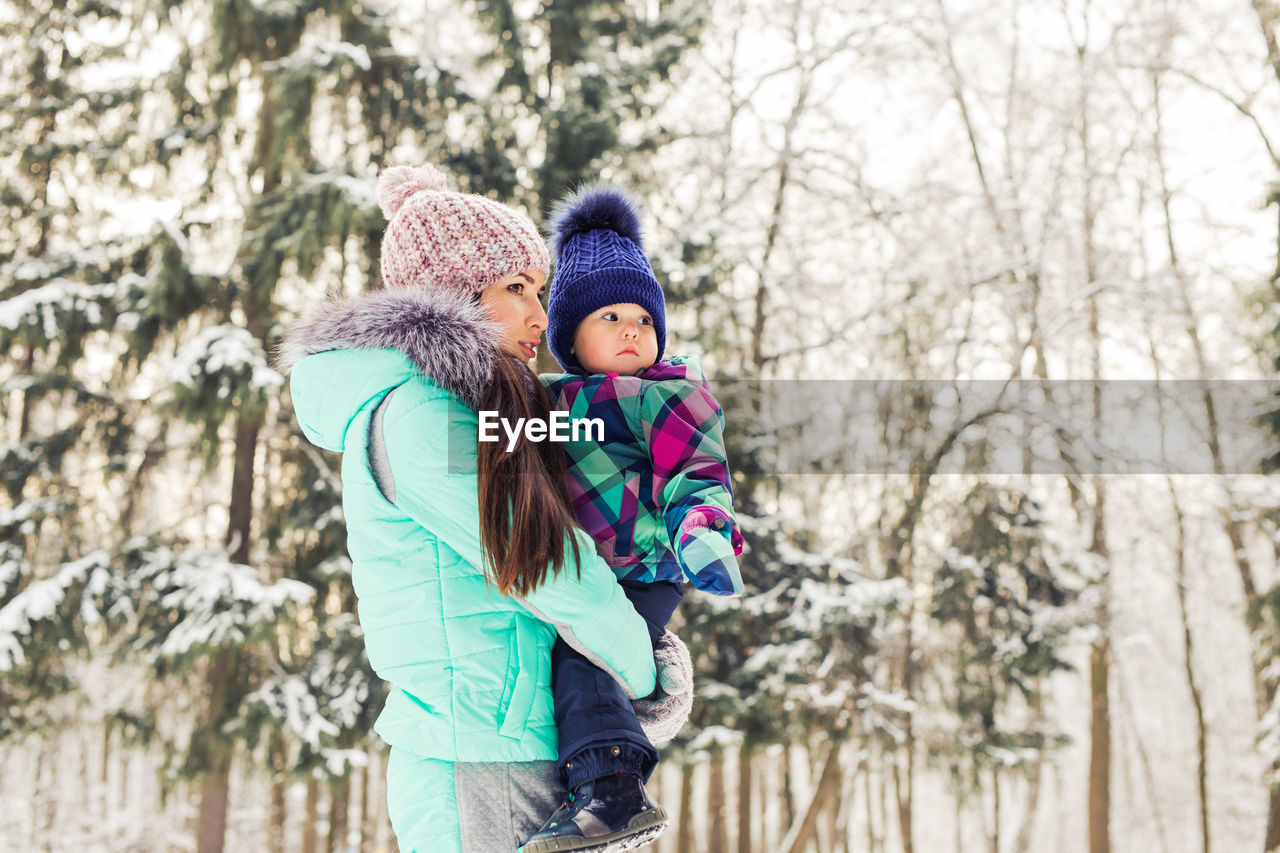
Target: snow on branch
47,307
24,269
712,739
360,193
202,599
48,603
22,518
323,56
220,353
782,658
329,692
340,762
291,700
820,605
13,565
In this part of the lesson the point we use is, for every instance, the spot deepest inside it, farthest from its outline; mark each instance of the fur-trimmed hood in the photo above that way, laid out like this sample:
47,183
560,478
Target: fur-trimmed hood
349,353
447,336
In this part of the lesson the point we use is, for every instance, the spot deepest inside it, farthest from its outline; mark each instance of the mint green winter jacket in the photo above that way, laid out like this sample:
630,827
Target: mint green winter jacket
391,379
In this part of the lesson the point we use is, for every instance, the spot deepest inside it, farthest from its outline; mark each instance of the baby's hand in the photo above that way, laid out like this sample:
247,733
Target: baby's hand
708,557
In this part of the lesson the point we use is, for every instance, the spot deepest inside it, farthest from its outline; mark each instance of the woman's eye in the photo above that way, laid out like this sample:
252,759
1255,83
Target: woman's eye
517,288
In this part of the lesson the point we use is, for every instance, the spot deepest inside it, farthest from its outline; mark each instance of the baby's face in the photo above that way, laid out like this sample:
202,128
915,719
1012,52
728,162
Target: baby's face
616,339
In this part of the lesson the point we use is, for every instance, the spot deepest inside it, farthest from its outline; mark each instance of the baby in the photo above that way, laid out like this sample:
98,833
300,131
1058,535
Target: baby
654,493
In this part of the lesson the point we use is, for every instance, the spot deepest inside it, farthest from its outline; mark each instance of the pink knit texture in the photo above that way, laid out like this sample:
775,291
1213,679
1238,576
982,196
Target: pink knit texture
396,184
457,241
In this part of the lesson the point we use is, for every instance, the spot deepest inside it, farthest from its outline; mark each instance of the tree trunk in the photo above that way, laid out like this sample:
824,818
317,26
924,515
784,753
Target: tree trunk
1269,19
1272,843
367,827
845,805
827,825
241,507
277,813
339,820
214,793
1100,709
872,774
224,674
215,788
883,805
788,796
310,835
684,832
1231,526
902,785
825,784
25,397
42,167
104,776
276,816
760,307
1188,663
718,840
1134,730
1099,750
45,796
1022,844
995,810
745,760
762,782
1100,655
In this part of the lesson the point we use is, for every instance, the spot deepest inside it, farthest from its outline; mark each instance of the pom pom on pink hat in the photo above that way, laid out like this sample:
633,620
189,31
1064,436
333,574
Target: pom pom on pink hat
456,241
397,183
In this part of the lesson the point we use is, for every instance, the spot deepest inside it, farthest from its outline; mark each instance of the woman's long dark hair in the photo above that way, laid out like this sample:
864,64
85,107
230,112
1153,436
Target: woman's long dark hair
525,511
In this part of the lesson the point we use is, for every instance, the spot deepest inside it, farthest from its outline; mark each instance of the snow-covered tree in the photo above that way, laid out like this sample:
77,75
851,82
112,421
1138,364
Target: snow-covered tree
1003,608
66,277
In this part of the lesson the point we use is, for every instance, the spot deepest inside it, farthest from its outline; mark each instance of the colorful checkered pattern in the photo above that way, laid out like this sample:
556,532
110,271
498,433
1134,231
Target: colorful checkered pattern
662,456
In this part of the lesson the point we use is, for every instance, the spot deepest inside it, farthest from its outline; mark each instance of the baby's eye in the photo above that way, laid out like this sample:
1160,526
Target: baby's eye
646,321
608,315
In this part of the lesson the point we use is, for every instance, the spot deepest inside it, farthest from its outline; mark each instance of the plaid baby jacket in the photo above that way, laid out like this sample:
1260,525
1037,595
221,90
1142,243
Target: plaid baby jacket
662,455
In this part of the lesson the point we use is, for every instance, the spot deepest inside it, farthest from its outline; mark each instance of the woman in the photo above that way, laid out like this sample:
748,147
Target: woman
465,559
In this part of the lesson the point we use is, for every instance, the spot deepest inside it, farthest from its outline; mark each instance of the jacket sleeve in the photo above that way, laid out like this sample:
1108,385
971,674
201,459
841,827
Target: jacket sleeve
683,428
431,453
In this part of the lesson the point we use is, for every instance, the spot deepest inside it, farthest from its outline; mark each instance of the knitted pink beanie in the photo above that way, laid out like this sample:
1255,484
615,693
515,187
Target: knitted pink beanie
455,241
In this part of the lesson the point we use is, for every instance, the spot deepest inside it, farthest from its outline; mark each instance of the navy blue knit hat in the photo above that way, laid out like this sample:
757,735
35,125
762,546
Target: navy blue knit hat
598,257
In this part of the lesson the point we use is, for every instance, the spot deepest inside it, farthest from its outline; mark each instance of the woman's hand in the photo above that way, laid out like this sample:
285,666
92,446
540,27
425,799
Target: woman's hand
664,713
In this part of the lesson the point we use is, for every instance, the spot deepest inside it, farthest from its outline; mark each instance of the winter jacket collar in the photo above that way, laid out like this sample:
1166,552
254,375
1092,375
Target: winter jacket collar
446,336
680,367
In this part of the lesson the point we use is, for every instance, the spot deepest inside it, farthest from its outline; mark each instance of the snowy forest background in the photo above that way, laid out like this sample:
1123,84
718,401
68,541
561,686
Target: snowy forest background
977,618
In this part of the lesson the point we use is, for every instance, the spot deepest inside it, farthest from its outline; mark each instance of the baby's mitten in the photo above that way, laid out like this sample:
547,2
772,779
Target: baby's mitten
709,552
663,714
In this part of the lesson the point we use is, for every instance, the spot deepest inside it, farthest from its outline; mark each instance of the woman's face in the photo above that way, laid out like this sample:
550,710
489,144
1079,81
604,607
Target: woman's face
514,304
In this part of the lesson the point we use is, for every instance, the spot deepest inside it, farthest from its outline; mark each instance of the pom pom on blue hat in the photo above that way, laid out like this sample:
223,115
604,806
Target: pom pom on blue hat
598,254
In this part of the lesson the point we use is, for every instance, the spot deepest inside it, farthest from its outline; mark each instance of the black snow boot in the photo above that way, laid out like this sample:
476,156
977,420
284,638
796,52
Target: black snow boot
612,813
